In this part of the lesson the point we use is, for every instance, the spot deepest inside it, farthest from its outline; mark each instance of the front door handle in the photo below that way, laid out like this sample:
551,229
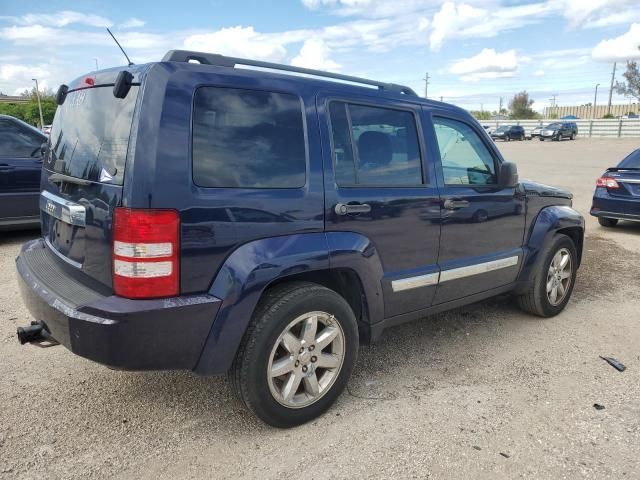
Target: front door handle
346,208
455,204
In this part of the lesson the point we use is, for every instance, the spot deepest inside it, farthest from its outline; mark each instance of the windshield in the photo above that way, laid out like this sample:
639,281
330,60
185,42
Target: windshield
553,125
502,129
631,161
90,135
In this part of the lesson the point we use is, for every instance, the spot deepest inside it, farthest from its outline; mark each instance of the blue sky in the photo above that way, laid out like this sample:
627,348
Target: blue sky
475,51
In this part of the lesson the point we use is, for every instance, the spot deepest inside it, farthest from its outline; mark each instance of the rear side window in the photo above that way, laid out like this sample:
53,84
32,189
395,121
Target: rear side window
374,146
248,139
631,161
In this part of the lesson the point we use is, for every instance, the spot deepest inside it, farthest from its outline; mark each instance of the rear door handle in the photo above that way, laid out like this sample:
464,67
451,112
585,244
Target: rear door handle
346,209
5,168
455,204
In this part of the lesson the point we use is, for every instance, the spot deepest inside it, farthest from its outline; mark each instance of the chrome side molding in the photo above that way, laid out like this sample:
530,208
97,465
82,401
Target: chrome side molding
415,282
453,274
478,268
62,209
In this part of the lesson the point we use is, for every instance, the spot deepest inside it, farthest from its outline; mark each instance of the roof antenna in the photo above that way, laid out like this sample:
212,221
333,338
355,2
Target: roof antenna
119,46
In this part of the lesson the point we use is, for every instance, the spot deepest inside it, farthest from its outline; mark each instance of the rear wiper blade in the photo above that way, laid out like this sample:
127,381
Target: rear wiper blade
59,178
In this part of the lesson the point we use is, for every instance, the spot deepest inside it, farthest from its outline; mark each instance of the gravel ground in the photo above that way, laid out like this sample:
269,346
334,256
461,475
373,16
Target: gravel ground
484,391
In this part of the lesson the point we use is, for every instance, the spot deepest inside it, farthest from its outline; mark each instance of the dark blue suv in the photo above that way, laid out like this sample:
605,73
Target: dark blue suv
262,224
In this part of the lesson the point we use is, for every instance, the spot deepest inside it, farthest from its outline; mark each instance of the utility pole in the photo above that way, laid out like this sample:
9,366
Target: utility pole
613,76
39,105
595,99
426,85
96,64
500,107
553,104
440,97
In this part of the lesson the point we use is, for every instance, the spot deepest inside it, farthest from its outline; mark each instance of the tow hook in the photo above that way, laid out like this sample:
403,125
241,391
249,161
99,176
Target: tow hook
36,334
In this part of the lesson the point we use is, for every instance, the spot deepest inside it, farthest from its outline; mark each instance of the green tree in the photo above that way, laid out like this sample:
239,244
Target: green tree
28,111
520,106
481,114
631,86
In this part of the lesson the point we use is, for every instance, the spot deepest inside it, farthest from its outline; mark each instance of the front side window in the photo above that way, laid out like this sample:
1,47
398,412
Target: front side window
465,158
374,146
248,139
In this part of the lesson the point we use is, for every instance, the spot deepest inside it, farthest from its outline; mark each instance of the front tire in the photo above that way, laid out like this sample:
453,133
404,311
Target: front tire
573,136
551,288
607,222
297,354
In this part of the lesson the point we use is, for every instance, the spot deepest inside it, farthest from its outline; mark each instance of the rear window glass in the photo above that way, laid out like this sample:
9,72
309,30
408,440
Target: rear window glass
248,139
90,134
631,161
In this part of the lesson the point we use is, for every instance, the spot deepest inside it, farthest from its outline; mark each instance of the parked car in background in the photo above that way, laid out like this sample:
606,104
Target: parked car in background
537,131
286,221
508,133
488,128
617,195
559,130
20,168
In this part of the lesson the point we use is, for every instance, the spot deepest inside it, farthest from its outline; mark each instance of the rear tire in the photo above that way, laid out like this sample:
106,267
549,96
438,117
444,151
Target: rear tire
607,222
540,298
276,342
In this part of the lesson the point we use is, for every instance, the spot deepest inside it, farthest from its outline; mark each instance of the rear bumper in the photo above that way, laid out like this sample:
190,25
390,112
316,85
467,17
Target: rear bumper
157,334
616,215
619,207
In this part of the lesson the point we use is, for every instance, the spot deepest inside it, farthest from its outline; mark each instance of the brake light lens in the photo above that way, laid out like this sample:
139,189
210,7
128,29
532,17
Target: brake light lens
607,182
145,253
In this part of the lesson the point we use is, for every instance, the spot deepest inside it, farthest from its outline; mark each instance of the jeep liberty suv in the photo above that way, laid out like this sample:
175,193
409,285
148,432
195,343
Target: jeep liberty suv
263,224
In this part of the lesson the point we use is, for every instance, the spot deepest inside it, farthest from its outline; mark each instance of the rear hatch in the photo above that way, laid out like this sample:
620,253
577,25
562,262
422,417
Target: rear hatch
83,174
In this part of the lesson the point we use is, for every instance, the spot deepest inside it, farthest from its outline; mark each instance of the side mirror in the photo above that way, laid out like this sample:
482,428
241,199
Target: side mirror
508,175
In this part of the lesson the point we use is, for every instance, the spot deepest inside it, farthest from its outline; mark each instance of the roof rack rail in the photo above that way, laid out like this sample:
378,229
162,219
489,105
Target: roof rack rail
223,61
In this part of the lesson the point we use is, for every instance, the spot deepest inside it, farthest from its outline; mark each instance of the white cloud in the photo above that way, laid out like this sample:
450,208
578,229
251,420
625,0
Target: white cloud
132,23
62,19
240,42
463,20
315,54
488,64
538,73
451,20
624,47
372,8
596,13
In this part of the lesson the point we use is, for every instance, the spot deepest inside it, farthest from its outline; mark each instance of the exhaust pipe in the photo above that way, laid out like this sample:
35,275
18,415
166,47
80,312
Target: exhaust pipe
37,334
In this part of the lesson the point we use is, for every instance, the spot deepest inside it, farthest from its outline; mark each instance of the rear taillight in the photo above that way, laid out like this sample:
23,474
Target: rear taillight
145,253
607,182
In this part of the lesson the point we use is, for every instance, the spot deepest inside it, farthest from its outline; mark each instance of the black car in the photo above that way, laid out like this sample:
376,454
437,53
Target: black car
508,133
617,195
20,166
557,131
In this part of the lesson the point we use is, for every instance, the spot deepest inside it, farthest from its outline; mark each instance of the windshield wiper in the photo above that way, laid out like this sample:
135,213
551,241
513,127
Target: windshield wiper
59,178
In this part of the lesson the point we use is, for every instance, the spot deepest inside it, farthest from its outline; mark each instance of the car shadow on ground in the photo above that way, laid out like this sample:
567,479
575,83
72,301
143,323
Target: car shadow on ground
18,236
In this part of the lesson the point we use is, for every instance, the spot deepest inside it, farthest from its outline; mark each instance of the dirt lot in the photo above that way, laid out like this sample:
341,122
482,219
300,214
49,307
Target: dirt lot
480,392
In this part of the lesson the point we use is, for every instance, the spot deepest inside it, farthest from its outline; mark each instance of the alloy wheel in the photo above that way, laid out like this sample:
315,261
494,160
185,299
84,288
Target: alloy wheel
559,276
306,359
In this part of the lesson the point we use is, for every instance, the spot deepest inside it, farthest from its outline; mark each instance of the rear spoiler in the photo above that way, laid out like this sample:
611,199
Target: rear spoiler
622,169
